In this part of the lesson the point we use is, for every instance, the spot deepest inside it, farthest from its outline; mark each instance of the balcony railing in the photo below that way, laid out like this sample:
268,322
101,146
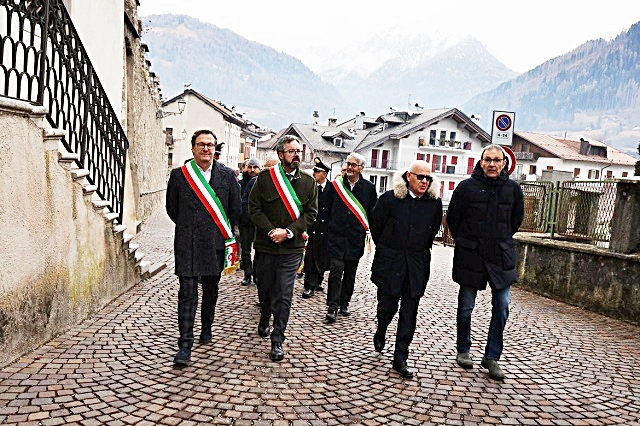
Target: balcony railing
45,63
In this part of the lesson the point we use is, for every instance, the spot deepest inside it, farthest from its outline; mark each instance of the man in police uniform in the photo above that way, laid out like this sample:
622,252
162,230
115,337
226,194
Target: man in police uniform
316,258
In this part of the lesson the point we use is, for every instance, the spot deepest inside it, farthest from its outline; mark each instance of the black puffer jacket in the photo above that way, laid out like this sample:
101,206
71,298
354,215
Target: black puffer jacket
483,215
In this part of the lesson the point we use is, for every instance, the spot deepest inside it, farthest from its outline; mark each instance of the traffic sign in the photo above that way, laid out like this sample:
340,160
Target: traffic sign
502,130
512,159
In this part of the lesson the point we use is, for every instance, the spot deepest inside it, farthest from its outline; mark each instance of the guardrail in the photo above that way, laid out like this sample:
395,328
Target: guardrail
45,63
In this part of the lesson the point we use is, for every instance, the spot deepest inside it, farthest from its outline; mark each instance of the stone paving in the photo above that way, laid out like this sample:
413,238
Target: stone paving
564,365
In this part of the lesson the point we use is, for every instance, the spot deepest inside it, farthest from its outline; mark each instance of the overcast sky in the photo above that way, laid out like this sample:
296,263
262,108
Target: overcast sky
520,34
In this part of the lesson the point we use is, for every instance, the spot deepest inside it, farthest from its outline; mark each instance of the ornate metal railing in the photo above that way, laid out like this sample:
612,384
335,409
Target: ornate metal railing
45,63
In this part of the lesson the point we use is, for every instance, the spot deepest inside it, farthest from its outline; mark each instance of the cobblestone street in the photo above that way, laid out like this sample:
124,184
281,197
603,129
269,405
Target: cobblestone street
563,365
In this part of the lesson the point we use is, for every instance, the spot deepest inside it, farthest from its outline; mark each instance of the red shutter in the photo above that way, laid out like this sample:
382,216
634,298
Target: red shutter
452,186
427,158
454,160
433,163
441,189
470,164
444,164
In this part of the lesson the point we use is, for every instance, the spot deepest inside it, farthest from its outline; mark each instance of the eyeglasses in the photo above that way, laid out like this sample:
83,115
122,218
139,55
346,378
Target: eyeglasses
493,160
354,165
209,146
422,177
293,151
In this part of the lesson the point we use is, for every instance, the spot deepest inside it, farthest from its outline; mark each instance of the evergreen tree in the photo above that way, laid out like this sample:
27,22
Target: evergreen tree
637,173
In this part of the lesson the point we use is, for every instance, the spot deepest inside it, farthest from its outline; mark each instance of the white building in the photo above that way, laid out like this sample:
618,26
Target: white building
191,111
539,154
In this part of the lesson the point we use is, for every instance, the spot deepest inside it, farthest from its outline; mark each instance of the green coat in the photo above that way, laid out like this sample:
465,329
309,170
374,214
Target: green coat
267,211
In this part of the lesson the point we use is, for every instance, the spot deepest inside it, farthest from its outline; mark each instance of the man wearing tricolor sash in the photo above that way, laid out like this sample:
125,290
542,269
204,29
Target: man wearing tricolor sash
282,206
203,200
352,199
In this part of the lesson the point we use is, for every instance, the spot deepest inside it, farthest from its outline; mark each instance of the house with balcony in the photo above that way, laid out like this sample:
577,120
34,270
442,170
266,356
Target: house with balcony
446,138
545,157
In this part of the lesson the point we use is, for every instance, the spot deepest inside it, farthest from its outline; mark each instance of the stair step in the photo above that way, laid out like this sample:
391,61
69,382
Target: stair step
139,256
133,247
156,267
144,267
126,236
110,217
78,174
120,228
89,189
99,204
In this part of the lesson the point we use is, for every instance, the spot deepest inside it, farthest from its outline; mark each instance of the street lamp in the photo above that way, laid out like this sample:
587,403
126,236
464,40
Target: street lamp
181,106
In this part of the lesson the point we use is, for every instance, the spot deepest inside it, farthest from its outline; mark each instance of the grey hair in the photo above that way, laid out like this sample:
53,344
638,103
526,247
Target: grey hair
358,157
285,140
496,147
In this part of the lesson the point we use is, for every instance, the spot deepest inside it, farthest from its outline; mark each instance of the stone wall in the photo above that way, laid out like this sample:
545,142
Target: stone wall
61,259
582,275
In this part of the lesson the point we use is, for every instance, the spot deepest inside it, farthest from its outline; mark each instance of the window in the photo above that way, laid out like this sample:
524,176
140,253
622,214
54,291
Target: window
373,179
576,172
420,156
549,167
467,146
374,158
443,135
436,164
532,169
338,142
594,174
625,174
452,136
383,184
432,137
450,170
454,160
609,174
452,186
422,141
470,164
385,159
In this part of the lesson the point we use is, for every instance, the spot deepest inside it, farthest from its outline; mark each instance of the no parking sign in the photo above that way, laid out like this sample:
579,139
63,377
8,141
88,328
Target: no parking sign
502,130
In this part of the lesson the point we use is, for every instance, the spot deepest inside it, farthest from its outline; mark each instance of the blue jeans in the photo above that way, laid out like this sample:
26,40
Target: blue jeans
500,300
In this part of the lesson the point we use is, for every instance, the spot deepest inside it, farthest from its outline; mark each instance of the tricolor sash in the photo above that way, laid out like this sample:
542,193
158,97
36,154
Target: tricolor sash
354,206
212,203
287,194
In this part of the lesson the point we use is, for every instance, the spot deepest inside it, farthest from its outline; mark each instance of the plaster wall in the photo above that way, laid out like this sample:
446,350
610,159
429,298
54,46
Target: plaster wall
61,261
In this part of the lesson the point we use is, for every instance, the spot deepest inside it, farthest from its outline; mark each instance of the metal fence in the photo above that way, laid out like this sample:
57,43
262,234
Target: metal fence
45,63
579,211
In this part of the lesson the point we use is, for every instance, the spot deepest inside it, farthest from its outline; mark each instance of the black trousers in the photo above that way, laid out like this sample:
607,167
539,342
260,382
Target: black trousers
342,278
276,279
313,279
187,302
387,308
246,242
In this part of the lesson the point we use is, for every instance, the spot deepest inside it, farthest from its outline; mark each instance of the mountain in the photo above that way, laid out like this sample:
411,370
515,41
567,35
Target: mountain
435,73
592,91
272,88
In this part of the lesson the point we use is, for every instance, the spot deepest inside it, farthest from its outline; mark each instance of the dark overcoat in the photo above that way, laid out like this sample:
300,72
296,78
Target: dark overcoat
346,234
316,256
482,216
403,229
197,237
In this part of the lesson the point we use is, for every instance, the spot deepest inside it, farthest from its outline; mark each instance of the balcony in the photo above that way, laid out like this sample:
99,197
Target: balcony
530,156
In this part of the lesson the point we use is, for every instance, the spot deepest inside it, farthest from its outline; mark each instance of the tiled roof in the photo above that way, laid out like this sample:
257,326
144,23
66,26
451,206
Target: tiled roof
570,149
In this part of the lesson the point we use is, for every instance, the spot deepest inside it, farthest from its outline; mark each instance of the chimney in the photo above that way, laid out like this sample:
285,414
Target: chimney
359,121
316,116
332,121
584,147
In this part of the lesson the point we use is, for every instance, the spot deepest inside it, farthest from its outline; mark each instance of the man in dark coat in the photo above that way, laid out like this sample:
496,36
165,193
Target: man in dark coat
247,230
280,194
484,213
316,257
347,234
198,244
404,222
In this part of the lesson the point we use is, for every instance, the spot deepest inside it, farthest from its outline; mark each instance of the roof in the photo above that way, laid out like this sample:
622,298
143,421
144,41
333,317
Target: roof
321,137
228,114
568,149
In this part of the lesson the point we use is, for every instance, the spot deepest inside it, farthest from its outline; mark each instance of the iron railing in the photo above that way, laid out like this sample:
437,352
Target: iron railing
579,211
44,62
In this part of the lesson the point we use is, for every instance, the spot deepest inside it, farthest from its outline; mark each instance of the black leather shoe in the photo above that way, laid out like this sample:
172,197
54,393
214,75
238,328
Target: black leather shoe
332,314
205,337
379,340
277,353
183,357
401,368
345,312
264,330
307,294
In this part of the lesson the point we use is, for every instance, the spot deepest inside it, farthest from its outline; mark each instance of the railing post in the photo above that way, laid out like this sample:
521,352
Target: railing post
552,214
43,53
